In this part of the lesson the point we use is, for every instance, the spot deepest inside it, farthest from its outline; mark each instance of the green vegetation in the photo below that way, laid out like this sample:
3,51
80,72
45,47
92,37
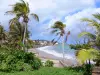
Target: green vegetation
94,38
49,63
97,59
80,46
58,30
18,34
47,71
14,44
86,54
18,60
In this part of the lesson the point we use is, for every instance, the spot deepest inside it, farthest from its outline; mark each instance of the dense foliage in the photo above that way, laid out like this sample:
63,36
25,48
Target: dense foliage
15,42
80,46
87,69
49,63
94,37
18,60
97,60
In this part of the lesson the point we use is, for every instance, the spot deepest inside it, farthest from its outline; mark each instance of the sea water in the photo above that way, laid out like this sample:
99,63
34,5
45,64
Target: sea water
57,51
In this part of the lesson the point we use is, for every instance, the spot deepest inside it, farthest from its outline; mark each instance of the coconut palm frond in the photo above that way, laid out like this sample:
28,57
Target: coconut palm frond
59,24
58,33
91,22
84,55
54,31
97,16
10,12
86,20
94,23
90,35
35,16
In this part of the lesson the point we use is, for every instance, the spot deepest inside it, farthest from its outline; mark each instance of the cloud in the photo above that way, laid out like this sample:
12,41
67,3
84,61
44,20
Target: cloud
58,8
75,25
50,11
47,8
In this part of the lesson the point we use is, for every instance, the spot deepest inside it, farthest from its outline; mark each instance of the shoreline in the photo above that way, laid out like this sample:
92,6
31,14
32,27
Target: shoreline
57,60
42,54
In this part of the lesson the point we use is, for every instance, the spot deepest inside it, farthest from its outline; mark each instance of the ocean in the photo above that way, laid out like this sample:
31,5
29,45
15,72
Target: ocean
57,51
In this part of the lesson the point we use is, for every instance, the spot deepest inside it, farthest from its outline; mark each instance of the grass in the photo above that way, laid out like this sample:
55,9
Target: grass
46,71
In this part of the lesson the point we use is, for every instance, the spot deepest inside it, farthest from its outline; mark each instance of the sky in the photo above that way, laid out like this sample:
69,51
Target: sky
49,11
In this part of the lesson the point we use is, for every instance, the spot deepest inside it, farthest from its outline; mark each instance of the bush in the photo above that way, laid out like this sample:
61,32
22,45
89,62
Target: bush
21,66
88,69
97,60
36,63
18,60
49,63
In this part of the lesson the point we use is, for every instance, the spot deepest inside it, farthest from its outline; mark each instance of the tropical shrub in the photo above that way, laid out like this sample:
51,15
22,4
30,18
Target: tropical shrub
86,54
97,60
21,66
49,63
36,63
80,46
87,69
18,60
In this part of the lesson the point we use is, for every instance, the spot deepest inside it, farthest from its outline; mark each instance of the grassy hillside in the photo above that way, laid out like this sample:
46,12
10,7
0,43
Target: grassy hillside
46,71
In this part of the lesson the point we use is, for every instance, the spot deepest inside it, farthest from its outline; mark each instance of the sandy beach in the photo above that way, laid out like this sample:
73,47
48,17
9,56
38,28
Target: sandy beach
43,54
57,60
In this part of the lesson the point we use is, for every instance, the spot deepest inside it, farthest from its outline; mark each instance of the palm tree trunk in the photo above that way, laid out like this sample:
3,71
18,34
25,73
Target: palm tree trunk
59,37
63,47
24,37
57,40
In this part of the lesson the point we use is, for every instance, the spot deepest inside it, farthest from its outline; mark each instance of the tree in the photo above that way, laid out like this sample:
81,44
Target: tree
58,30
21,10
2,35
85,56
94,37
16,34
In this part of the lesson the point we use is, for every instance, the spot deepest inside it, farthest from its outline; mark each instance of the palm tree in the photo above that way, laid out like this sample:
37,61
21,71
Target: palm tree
2,35
86,54
58,29
94,37
21,10
16,33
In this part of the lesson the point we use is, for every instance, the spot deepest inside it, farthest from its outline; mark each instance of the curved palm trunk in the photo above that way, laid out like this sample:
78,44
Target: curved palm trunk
24,37
59,37
57,40
63,48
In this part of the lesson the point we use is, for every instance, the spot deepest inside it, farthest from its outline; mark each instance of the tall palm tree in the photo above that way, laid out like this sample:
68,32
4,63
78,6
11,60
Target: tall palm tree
16,33
21,10
94,37
58,29
2,35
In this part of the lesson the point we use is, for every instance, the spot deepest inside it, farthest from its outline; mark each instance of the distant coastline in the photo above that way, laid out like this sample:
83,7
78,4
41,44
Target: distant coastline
42,43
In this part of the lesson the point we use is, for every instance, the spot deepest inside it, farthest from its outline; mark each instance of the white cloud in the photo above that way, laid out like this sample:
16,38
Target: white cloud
48,8
58,8
74,23
54,10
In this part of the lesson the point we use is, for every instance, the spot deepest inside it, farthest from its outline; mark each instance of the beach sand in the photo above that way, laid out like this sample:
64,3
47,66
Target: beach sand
57,60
